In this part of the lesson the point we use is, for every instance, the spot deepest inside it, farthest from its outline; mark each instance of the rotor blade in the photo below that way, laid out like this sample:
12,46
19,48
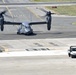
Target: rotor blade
42,10
8,16
53,13
46,11
42,16
3,12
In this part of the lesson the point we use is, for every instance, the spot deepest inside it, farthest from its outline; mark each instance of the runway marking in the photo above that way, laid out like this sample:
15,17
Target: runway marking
9,12
8,9
18,16
33,53
4,49
38,44
34,14
38,49
54,44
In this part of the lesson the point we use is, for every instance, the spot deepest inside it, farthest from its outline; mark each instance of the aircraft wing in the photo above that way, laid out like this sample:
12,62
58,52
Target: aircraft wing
18,23
12,23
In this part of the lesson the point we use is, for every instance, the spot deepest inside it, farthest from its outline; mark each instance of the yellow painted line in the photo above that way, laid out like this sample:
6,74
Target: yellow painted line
3,1
9,12
5,49
8,9
34,13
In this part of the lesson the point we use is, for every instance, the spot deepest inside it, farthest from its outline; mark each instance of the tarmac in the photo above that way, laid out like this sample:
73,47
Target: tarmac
32,47
38,47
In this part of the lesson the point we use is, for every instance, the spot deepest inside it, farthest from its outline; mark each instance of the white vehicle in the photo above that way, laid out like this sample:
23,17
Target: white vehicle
72,51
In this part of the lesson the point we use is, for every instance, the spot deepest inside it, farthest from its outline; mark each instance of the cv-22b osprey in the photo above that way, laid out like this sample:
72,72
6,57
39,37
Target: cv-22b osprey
25,28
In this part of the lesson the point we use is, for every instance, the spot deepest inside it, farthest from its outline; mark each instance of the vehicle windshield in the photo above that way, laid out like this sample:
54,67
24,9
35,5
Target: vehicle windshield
74,49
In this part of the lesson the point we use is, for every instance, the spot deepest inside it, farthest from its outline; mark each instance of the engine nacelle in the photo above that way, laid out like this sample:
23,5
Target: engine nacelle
1,22
48,19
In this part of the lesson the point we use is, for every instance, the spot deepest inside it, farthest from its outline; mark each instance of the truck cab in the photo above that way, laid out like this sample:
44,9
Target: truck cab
72,51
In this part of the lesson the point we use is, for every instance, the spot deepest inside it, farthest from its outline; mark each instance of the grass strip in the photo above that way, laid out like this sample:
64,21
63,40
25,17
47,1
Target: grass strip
54,0
64,10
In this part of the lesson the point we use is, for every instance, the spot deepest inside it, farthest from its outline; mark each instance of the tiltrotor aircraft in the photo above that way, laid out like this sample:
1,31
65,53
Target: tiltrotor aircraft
25,27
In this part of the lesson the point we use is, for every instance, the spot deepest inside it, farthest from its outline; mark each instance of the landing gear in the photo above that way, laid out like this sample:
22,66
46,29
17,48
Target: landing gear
18,33
22,31
28,33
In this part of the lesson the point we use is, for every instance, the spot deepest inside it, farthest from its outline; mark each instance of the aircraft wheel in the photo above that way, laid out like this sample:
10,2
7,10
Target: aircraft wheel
18,33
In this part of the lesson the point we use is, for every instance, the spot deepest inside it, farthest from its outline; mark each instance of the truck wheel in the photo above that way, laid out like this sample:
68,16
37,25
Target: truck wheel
69,54
72,56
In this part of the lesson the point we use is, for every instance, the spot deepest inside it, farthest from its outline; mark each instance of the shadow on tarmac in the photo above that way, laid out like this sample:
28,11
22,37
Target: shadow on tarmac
36,35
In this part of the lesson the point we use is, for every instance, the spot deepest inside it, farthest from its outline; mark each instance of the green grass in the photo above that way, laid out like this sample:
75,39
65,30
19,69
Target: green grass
54,0
65,10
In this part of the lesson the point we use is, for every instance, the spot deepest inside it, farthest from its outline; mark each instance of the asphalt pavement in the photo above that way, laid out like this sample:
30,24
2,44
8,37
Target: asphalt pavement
44,53
62,27
48,65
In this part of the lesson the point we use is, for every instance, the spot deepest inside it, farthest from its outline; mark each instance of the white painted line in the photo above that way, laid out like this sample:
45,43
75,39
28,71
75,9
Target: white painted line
63,16
32,53
33,4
